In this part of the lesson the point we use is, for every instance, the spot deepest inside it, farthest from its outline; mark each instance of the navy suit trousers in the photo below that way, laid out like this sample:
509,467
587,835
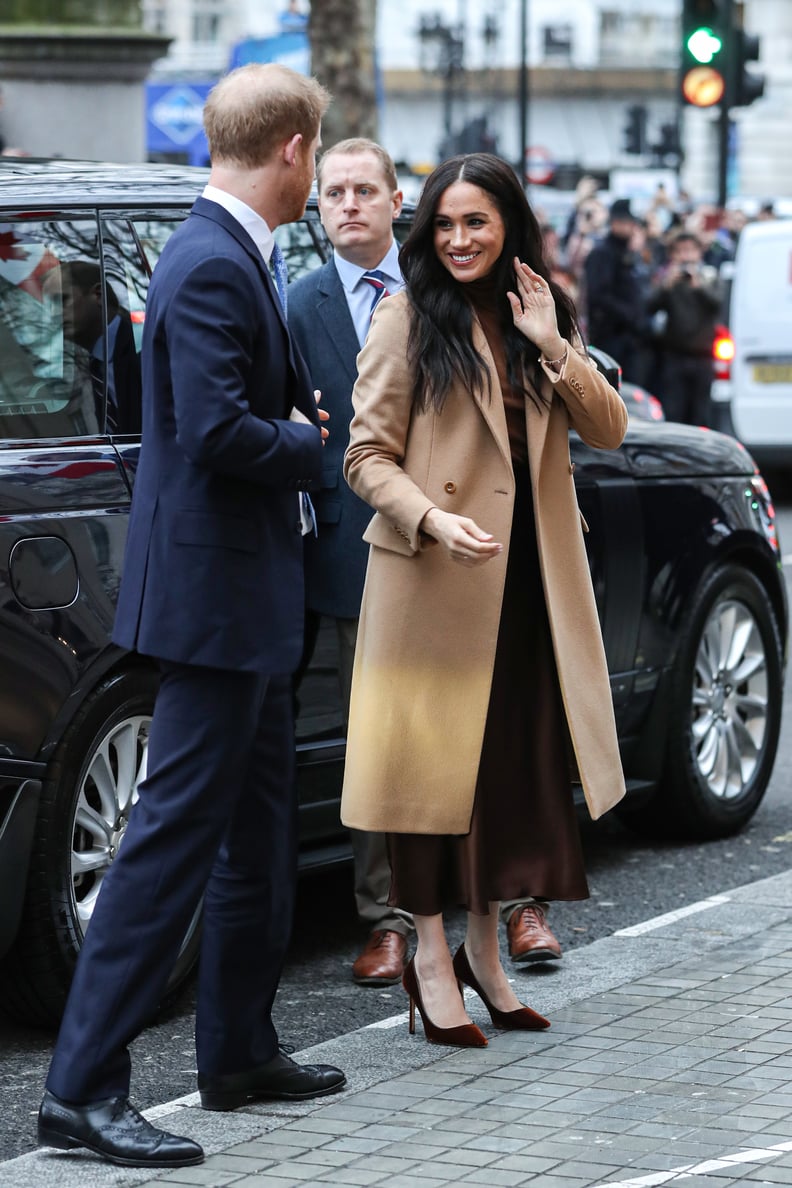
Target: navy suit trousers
216,818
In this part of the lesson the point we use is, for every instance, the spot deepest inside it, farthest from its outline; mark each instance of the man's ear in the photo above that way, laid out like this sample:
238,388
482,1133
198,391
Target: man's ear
398,199
291,149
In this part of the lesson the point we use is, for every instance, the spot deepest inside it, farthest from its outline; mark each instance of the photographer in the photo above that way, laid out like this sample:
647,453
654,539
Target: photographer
685,304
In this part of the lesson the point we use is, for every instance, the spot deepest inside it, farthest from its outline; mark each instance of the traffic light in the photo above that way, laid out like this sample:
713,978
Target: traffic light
668,149
635,130
747,85
706,29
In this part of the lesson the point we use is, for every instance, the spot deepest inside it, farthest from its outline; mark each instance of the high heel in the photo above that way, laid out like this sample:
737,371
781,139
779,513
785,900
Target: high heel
467,1035
521,1019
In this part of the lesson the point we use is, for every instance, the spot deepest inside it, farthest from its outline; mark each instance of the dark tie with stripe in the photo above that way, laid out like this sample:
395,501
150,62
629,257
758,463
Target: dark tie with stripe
378,282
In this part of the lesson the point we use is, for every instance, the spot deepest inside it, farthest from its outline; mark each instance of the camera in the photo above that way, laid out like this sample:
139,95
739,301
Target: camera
689,271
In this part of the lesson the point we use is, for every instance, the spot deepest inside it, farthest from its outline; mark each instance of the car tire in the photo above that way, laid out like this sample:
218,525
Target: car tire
724,713
89,788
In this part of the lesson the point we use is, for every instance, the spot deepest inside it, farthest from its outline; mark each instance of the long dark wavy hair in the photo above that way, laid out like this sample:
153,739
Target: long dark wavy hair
441,339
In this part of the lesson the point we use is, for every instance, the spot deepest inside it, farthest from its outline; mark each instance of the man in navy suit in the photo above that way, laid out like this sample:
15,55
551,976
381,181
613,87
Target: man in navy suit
213,589
330,310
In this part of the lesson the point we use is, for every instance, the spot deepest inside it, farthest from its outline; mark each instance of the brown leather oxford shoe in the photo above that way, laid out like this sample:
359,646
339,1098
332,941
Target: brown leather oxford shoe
530,939
383,959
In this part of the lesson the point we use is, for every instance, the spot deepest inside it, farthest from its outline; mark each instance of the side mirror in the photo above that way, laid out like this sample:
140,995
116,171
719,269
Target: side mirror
607,365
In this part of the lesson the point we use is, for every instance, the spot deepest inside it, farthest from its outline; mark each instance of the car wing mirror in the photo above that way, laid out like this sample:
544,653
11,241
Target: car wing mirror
607,365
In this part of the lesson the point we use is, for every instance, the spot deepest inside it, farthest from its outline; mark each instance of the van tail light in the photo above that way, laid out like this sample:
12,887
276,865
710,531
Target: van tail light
722,353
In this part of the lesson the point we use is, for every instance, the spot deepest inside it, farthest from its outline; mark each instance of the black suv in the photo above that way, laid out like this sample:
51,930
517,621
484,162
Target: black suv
682,549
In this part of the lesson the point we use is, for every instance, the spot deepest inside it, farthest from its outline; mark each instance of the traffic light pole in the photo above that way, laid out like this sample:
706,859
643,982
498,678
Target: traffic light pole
523,91
724,141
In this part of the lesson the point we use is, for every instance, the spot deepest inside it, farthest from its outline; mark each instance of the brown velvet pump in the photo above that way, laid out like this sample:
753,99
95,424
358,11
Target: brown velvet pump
522,1019
467,1035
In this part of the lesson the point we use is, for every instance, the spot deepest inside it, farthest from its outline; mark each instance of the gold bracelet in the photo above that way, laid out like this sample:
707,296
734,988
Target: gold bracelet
559,361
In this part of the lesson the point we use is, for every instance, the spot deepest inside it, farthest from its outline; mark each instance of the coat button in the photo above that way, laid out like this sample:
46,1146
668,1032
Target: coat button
450,488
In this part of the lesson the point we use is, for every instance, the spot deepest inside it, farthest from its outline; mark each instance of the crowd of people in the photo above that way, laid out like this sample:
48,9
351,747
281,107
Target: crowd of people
648,287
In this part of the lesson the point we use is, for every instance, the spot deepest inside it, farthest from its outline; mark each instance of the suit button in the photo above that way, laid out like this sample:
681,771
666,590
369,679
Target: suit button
450,488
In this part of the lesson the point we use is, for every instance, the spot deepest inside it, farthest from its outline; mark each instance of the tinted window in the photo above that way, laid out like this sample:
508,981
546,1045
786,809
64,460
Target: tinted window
50,382
304,246
130,248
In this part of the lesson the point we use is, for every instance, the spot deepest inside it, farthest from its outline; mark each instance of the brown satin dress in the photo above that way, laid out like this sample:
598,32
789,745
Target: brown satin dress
524,839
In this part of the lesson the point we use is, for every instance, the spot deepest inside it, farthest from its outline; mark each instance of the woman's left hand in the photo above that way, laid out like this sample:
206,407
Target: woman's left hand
534,311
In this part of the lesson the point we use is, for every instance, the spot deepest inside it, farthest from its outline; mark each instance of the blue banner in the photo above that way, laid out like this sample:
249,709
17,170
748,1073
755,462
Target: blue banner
174,119
290,49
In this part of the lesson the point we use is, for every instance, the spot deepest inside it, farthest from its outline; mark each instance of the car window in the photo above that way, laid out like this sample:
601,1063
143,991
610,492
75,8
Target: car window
50,321
304,245
131,248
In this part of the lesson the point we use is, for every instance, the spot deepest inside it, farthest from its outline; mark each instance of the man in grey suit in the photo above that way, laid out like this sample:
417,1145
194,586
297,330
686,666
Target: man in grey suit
329,315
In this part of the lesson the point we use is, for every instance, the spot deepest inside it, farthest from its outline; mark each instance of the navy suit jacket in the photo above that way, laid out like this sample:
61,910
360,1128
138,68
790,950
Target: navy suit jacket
335,560
213,573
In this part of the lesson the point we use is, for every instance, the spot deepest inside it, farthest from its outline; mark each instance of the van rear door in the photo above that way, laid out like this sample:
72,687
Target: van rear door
761,325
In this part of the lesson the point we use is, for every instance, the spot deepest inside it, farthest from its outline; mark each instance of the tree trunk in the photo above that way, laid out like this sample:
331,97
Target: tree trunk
342,36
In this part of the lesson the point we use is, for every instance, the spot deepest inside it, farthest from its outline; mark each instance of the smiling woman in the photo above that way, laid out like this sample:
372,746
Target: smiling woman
469,231
468,384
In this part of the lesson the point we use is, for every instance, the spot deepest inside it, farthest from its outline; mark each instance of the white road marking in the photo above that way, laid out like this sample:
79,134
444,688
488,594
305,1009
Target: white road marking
670,917
754,1155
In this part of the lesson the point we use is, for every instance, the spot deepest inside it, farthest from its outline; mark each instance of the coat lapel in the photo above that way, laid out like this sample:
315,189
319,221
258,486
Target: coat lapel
536,421
491,410
332,309
219,214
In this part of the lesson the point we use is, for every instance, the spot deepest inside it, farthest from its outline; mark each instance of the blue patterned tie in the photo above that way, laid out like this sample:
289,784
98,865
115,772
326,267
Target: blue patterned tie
280,274
378,282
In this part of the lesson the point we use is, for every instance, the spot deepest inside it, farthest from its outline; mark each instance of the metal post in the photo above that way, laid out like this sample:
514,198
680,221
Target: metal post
523,89
732,13
724,146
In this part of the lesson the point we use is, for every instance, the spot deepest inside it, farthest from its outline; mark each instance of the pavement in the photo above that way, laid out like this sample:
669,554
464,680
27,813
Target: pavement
669,1061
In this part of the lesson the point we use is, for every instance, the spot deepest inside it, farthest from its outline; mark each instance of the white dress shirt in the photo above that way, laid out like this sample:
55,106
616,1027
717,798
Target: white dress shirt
246,216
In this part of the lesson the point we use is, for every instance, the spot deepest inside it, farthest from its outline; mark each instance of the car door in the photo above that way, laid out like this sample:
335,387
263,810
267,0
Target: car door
62,492
609,502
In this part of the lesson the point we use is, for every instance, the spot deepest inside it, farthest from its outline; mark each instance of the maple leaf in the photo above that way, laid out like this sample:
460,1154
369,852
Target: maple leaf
9,247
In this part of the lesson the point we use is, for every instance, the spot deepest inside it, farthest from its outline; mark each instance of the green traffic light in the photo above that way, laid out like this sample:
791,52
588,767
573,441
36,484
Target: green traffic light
704,45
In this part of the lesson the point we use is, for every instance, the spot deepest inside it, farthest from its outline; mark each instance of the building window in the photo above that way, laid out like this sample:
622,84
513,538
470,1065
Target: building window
557,43
207,22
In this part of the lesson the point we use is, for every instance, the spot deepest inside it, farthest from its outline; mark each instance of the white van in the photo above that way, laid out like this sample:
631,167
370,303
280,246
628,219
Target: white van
760,321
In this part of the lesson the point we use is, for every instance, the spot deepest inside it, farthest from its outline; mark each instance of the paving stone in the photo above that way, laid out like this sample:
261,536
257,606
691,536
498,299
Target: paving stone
350,1176
495,1177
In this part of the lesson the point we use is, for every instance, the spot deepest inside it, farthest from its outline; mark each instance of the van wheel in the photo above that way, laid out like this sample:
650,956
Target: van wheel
89,791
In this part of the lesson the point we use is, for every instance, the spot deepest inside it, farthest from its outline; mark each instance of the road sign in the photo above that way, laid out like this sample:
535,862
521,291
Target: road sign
539,165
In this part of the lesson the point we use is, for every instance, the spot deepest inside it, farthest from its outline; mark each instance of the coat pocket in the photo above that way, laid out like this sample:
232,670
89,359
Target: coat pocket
210,530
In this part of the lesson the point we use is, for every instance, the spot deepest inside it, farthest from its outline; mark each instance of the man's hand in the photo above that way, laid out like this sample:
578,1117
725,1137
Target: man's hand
323,415
301,419
461,537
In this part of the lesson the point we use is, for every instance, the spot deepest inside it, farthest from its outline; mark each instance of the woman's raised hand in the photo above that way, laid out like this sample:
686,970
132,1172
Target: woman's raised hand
534,311
461,537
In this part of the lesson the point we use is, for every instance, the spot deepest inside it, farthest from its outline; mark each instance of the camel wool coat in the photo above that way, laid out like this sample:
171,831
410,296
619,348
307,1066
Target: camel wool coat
428,626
